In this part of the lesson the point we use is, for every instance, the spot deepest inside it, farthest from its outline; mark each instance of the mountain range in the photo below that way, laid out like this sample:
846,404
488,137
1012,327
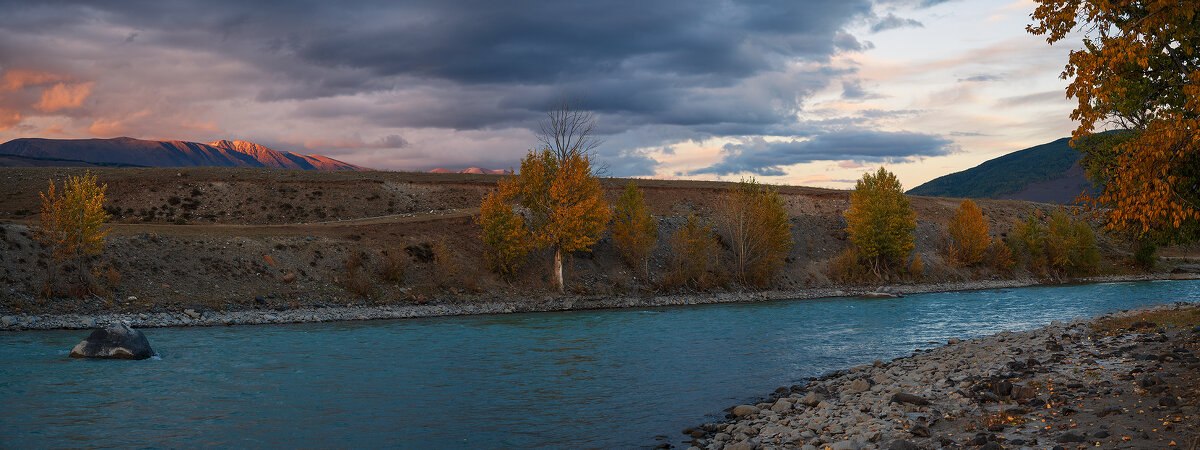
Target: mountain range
125,151
1047,173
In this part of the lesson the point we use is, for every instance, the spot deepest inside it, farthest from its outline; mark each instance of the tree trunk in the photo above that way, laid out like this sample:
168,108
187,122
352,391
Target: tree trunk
558,271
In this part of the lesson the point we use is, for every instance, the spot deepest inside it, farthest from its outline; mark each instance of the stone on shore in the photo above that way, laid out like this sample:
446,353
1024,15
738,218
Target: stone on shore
744,410
114,342
904,397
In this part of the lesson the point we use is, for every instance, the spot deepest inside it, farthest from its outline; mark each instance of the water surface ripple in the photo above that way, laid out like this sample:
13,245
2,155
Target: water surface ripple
605,379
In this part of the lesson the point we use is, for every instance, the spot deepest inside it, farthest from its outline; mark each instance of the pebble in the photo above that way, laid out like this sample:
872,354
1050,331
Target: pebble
896,405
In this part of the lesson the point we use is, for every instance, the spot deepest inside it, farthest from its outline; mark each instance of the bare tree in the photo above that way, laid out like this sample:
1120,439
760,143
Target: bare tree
568,130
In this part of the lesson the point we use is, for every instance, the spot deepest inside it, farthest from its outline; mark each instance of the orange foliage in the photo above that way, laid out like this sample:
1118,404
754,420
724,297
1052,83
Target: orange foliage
563,203
72,222
1140,69
968,233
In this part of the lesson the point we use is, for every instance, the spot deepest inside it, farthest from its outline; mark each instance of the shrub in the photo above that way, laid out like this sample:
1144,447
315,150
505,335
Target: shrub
998,257
968,233
846,267
1028,242
393,263
1071,245
880,222
634,231
354,276
694,251
445,263
504,233
1145,255
752,221
1066,246
916,268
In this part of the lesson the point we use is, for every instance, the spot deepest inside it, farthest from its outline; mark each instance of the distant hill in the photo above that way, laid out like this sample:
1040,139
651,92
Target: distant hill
474,170
25,161
1048,173
124,151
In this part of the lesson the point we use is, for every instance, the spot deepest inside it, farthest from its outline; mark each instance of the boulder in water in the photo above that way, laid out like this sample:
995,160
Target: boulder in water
114,342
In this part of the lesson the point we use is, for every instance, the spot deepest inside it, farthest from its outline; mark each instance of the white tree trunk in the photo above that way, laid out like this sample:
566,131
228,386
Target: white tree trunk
558,277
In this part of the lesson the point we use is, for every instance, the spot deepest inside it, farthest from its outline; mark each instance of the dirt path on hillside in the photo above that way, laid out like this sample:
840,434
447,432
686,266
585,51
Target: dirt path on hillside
326,228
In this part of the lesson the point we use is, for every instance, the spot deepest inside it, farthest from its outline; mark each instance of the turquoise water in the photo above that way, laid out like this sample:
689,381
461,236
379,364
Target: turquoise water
615,378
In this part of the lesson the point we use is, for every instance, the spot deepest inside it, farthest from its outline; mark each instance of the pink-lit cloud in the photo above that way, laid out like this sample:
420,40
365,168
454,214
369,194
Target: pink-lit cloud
9,119
17,79
64,96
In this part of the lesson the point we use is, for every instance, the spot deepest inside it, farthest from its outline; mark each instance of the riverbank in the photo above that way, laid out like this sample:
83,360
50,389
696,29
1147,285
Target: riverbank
200,317
1123,380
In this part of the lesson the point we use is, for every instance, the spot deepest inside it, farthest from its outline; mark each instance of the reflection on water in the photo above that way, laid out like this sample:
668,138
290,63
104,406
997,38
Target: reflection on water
573,379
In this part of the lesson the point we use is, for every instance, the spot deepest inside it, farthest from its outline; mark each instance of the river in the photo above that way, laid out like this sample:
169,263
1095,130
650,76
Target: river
611,378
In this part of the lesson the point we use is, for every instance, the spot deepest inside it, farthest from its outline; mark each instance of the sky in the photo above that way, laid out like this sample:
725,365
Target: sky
810,92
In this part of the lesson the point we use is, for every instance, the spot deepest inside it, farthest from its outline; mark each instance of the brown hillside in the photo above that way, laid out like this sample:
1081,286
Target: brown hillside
234,237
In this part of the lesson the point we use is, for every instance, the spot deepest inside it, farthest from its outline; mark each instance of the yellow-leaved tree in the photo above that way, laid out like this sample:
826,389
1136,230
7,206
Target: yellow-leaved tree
880,222
753,222
561,201
72,223
1139,69
504,233
634,231
968,233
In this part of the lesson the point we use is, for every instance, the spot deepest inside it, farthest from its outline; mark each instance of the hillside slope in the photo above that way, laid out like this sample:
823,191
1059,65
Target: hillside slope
167,153
1048,173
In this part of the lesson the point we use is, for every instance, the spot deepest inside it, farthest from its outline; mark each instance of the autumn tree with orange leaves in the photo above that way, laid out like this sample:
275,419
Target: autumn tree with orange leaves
1138,71
72,225
561,204
968,233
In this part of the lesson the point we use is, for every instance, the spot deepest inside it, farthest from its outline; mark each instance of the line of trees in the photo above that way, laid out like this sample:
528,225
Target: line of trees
751,231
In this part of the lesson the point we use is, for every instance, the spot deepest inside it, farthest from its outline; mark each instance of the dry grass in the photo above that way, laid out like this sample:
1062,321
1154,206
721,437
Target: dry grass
1183,317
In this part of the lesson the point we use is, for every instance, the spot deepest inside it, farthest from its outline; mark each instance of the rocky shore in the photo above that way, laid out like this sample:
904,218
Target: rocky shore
435,308
1123,380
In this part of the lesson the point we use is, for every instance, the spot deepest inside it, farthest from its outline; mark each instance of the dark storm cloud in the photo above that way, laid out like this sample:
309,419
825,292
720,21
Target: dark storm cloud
696,69
650,59
892,21
761,157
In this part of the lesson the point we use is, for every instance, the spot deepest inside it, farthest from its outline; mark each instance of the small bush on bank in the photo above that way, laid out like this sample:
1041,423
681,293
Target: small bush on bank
1071,245
998,257
1145,255
694,250
446,266
354,277
393,263
1066,246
